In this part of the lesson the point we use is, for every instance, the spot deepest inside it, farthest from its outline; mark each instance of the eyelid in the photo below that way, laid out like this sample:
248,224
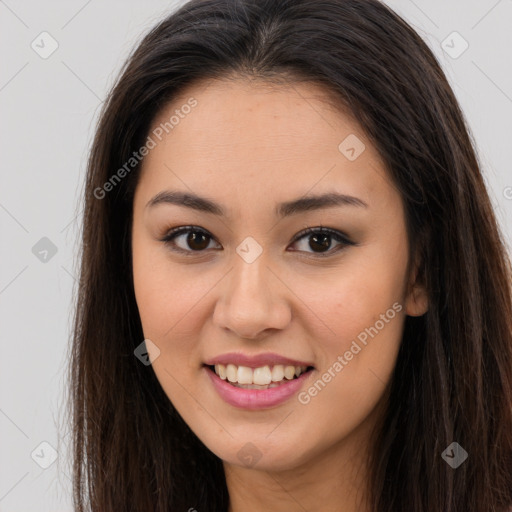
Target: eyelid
173,233
321,229
337,235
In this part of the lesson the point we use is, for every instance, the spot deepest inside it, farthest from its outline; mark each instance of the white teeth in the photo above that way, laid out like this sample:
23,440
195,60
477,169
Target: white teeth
244,375
261,376
278,373
289,372
231,372
221,370
254,378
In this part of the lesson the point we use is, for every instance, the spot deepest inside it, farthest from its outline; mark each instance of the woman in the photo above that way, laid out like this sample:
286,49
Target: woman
294,294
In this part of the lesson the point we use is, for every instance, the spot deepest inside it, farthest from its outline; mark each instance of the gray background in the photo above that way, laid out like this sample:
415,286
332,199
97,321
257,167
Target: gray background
49,108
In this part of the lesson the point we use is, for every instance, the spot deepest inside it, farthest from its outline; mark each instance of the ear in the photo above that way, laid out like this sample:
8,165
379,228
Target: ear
416,301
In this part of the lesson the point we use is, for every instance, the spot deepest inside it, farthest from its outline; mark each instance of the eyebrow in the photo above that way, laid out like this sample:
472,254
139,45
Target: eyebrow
285,209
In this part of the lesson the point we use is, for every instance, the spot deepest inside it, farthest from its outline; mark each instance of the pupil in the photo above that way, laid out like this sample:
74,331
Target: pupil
323,244
195,238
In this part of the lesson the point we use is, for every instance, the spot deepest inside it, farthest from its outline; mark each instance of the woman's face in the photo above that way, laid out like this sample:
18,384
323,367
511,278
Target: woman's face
246,288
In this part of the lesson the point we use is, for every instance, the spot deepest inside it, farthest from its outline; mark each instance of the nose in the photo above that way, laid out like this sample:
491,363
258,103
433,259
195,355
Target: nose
252,300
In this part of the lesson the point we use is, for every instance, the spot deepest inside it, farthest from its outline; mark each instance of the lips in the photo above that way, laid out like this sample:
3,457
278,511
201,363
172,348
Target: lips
259,370
256,361
257,382
257,399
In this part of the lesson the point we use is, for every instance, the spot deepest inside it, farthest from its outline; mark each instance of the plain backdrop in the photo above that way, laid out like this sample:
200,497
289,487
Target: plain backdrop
49,106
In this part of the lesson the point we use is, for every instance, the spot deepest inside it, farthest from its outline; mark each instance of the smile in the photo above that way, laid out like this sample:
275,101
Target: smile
263,377
238,385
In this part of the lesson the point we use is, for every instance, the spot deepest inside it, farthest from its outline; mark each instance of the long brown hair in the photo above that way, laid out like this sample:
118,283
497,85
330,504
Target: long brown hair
453,376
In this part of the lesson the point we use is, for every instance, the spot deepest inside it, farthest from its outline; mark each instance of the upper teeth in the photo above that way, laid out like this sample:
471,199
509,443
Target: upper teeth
261,376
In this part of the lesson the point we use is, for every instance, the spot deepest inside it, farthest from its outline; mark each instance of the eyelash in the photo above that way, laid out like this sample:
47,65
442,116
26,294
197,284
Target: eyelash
336,235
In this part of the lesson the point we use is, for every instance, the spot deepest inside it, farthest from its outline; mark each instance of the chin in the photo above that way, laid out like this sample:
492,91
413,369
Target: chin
260,453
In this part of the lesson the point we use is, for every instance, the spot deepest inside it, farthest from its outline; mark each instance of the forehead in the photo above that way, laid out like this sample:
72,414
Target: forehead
254,114
252,137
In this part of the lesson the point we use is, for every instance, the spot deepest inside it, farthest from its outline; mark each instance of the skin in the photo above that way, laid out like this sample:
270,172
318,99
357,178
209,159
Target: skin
248,146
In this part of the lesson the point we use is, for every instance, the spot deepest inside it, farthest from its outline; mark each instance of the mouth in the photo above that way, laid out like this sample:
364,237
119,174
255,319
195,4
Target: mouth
257,388
261,378
257,381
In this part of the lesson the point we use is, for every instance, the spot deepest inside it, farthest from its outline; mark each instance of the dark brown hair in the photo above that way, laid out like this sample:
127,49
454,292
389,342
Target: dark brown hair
453,377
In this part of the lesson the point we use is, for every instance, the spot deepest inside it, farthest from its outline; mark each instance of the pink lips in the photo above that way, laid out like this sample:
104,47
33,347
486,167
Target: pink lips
255,399
268,358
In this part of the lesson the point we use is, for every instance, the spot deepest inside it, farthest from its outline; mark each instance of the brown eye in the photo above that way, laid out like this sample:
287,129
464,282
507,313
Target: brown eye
188,239
319,241
197,240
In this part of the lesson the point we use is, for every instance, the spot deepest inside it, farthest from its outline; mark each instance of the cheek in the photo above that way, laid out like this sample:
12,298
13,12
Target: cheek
351,299
361,304
168,300
365,316
164,292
